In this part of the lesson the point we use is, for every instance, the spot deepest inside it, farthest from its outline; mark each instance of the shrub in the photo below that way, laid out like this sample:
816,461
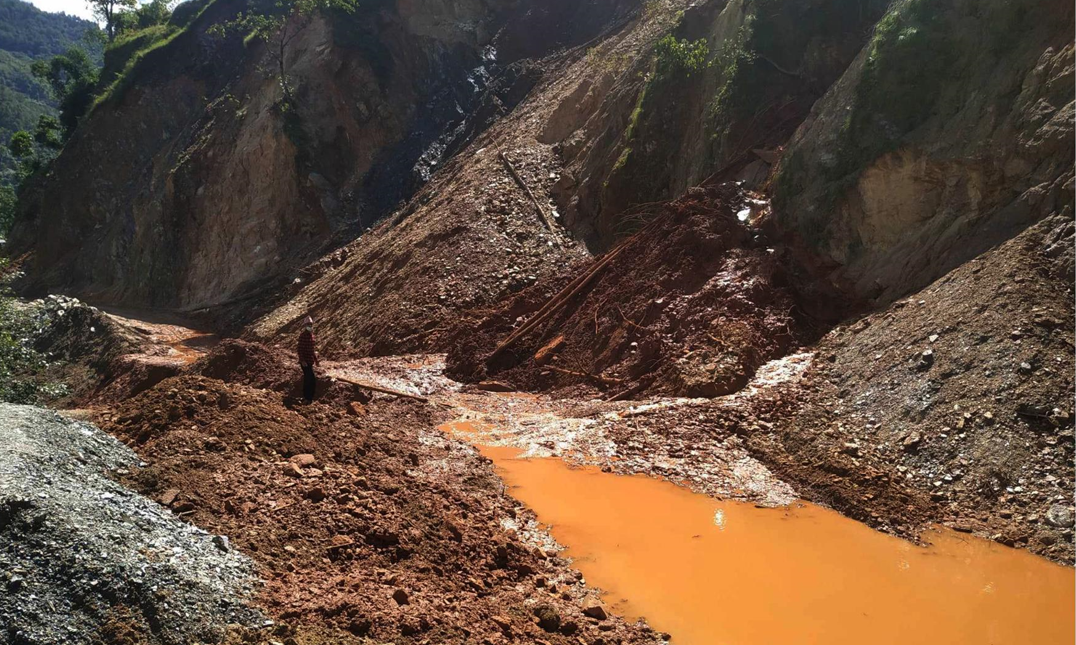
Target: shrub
675,58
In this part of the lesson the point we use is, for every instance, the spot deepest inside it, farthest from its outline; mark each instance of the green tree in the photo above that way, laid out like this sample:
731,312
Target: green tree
279,26
47,132
7,209
72,77
110,12
21,145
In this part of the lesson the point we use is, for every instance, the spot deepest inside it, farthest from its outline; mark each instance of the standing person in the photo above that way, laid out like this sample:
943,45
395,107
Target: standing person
308,359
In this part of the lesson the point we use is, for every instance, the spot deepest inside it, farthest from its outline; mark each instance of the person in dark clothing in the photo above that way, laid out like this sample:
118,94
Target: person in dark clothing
308,359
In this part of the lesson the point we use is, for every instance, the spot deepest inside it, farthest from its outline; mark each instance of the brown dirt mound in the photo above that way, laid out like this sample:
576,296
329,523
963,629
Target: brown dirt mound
245,363
370,526
690,305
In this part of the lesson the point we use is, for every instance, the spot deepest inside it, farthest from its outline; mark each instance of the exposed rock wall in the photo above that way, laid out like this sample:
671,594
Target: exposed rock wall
647,127
194,186
950,133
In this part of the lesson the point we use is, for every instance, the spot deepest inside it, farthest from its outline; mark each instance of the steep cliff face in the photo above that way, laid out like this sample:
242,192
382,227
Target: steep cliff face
949,134
727,79
191,185
939,133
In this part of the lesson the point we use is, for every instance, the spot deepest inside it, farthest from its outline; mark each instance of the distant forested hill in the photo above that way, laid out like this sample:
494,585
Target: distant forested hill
26,34
25,29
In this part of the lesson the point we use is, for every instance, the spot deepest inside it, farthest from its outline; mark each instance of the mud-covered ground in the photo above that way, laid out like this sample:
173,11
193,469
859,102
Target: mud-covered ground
690,305
370,518
365,521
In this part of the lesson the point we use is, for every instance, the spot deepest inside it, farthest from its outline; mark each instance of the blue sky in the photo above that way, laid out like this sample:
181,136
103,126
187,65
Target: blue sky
75,7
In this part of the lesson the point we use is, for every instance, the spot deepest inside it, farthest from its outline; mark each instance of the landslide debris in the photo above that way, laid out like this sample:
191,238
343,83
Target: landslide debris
85,560
958,400
364,521
690,305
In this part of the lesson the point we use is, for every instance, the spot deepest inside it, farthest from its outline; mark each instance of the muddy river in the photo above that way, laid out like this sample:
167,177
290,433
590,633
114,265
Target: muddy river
712,572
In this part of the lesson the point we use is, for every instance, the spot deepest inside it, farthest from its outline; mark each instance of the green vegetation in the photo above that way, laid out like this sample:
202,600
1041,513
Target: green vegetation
677,59
908,61
138,34
636,114
277,25
28,35
111,12
25,29
7,209
72,76
739,81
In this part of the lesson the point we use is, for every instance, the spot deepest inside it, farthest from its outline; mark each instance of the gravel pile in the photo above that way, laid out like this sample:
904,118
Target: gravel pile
83,559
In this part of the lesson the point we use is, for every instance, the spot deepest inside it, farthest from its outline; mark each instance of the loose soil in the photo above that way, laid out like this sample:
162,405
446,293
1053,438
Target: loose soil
365,521
691,305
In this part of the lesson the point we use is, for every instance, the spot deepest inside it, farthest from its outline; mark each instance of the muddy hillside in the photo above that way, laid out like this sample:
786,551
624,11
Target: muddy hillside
612,299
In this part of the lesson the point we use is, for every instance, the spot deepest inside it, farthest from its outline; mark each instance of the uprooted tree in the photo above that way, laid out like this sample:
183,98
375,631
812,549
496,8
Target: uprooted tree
278,25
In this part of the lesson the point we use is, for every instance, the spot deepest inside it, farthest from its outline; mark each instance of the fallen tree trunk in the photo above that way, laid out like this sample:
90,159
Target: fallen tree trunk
383,390
522,184
597,377
567,293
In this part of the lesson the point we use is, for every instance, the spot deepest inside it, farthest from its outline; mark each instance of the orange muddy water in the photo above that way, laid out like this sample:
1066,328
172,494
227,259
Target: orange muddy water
711,572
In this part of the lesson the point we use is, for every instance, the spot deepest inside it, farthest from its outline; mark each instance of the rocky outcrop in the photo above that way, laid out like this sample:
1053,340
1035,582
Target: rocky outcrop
949,134
718,85
205,186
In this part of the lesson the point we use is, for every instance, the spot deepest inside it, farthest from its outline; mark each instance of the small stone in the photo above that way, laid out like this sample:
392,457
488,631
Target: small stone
595,610
851,449
400,596
1025,368
360,626
221,542
304,460
502,622
1060,517
15,583
292,470
356,409
548,618
912,440
169,496
316,494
